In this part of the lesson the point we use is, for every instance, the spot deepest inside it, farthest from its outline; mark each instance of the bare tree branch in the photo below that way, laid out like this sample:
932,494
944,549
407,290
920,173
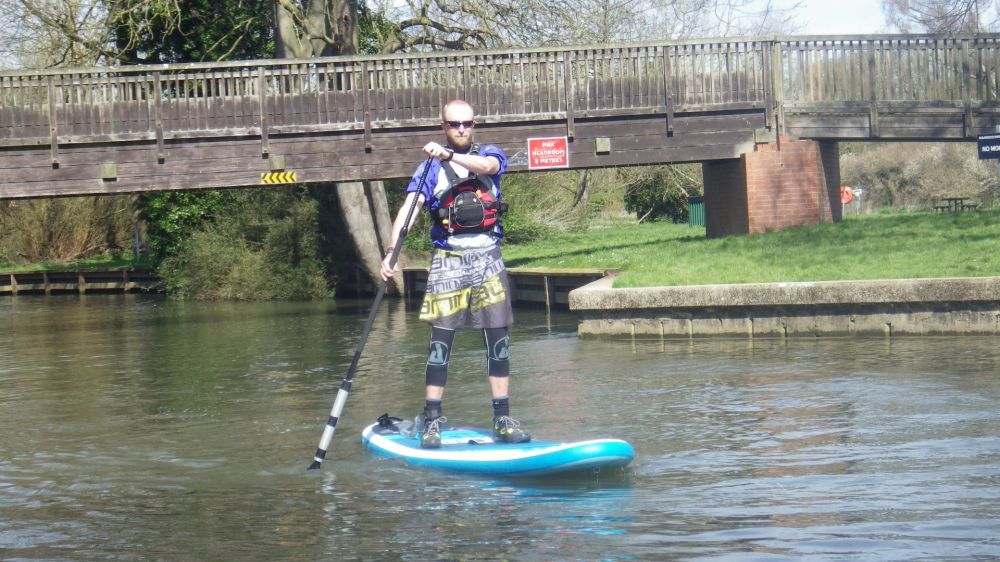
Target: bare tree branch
942,16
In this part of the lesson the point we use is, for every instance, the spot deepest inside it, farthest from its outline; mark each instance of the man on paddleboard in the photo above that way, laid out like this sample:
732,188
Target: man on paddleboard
468,281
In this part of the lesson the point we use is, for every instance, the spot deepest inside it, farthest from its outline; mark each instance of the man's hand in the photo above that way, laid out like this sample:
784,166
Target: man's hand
385,270
435,150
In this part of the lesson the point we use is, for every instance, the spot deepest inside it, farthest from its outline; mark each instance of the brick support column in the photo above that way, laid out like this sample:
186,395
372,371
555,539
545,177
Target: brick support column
772,189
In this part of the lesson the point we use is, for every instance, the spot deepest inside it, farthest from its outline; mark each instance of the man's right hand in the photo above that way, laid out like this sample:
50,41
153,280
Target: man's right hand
386,271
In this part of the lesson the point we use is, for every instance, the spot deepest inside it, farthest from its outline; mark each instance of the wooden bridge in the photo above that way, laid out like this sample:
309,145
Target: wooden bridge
244,123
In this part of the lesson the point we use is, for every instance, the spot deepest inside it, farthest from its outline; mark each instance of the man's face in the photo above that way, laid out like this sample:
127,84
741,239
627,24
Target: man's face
460,136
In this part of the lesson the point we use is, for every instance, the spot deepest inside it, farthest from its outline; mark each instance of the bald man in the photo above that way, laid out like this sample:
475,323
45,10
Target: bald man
467,283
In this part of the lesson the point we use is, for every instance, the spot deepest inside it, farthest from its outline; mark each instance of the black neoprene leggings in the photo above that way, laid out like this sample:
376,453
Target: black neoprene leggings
496,341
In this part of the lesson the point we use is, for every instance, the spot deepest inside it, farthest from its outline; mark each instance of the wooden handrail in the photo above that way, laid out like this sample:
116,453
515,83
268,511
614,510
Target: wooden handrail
365,93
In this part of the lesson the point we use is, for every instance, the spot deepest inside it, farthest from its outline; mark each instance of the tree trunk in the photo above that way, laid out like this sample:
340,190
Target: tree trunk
363,216
581,189
380,210
330,27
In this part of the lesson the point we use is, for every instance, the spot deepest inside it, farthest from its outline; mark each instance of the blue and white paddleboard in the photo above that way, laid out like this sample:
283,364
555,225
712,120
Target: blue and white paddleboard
467,449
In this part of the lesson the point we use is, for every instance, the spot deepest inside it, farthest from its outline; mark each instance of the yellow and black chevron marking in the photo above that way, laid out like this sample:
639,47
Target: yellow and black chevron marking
277,177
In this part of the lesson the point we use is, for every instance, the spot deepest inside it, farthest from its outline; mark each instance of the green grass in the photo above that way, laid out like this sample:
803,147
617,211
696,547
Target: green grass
884,246
102,261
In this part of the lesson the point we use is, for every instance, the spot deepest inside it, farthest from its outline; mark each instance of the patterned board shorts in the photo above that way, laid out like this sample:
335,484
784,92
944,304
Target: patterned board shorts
469,285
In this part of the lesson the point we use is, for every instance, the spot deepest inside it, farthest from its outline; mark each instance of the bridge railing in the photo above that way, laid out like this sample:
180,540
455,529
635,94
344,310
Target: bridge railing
901,69
247,98
345,93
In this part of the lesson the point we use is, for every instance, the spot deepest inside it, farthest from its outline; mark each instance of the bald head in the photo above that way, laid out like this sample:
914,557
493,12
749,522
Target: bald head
460,106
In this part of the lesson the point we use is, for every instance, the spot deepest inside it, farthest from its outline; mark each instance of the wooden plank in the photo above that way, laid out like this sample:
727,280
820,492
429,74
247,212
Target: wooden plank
194,174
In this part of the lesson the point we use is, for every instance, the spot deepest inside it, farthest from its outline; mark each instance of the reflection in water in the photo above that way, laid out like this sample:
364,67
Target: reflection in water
137,428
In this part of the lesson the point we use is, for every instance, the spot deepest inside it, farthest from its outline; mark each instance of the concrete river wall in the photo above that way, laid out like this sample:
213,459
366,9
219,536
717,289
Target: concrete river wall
951,306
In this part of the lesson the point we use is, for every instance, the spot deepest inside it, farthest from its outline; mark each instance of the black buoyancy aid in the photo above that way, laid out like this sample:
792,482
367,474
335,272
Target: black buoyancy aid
468,205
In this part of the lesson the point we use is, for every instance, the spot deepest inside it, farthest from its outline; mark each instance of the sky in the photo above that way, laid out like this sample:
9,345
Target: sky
837,17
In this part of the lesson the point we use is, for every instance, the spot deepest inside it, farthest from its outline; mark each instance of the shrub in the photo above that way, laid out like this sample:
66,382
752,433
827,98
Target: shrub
262,245
661,192
917,175
65,229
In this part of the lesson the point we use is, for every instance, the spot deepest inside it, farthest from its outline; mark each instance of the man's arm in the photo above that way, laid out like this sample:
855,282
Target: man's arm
476,164
397,226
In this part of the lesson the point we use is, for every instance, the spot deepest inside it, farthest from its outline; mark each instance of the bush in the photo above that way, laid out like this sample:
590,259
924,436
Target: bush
262,245
917,175
661,192
171,216
66,229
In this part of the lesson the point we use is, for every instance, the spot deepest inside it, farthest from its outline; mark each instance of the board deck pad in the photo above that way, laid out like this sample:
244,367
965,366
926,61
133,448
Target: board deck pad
471,449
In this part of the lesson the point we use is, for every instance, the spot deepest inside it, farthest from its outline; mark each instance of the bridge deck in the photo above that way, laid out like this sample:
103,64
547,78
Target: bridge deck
123,129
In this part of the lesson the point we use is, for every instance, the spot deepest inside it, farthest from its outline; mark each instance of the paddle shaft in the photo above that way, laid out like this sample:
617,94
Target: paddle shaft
345,385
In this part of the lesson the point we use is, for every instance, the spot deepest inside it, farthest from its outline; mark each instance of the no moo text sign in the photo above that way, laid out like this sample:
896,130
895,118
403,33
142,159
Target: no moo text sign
988,146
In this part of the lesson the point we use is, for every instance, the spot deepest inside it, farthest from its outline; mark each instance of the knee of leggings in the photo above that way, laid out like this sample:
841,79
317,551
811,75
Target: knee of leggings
438,354
497,352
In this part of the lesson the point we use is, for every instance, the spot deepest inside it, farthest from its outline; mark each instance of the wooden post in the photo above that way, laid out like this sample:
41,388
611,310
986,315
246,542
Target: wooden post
668,91
873,93
568,91
262,103
81,282
365,109
776,119
161,154
53,129
968,85
547,285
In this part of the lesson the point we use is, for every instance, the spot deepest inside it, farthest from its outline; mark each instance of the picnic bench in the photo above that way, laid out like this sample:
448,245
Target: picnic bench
953,204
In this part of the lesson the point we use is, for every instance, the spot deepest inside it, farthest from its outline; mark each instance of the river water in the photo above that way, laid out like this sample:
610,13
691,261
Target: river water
137,428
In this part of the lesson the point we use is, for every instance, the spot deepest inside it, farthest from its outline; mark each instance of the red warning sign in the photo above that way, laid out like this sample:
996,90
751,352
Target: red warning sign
550,152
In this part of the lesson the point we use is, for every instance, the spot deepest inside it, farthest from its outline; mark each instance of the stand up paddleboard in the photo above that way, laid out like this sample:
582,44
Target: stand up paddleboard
467,449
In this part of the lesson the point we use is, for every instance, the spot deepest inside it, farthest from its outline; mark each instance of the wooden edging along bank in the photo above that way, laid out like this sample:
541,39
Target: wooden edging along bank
947,306
96,280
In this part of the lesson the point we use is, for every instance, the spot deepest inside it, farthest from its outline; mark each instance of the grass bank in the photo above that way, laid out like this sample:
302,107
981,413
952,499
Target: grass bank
103,261
882,246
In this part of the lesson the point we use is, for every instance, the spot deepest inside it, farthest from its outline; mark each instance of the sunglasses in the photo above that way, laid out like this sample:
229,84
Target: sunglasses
457,124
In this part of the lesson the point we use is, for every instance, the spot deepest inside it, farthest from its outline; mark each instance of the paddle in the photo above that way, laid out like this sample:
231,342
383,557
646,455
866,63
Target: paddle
345,385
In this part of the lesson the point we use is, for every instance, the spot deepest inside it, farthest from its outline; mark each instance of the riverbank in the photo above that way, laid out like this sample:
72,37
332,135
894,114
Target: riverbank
887,308
887,275
899,245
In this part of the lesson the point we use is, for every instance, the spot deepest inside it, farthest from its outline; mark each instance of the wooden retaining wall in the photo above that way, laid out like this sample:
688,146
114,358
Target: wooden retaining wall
83,281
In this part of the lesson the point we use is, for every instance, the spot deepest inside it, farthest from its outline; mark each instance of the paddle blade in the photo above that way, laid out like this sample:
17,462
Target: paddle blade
314,466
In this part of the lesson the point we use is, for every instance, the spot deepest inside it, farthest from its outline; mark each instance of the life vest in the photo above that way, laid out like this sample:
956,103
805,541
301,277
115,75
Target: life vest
468,205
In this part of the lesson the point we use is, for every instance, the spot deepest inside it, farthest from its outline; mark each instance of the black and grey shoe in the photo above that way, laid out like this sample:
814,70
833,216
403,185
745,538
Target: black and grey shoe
508,430
431,436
